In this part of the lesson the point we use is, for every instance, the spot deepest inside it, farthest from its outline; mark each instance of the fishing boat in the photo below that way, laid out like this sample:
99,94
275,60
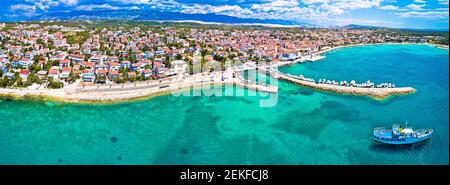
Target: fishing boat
399,135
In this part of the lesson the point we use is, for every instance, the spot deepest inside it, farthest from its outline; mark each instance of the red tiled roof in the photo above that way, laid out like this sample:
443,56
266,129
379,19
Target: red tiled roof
24,72
157,64
146,71
90,64
67,69
113,64
131,74
102,71
53,71
77,56
113,72
64,61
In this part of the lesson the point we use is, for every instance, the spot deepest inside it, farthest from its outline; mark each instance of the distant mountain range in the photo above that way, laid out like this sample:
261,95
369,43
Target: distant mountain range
356,26
160,16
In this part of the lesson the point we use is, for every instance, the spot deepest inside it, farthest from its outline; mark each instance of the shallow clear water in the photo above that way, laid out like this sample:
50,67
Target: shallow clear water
305,127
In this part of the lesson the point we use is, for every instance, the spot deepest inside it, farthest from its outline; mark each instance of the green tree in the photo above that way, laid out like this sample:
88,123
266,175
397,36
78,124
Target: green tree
54,84
19,82
179,57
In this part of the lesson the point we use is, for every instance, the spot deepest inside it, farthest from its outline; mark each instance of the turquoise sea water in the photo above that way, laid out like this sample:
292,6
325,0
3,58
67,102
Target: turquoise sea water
305,127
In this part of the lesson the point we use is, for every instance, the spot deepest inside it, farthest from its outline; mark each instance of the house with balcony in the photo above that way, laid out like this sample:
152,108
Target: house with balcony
76,58
24,73
146,73
125,64
53,73
25,62
41,74
113,74
64,63
65,72
88,76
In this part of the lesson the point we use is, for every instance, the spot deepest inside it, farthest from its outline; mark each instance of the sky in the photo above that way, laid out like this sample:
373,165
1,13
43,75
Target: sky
420,14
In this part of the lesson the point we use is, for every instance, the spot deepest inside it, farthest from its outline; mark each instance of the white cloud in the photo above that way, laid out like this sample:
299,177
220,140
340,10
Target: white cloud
32,7
274,9
45,4
358,4
333,10
133,1
285,9
26,10
390,7
134,8
443,2
149,2
54,2
263,9
275,5
315,1
442,15
232,10
91,7
346,4
347,21
22,7
69,2
415,7
301,10
418,11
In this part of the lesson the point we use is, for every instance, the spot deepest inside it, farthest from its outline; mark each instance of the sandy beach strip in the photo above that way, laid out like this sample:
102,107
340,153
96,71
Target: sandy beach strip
105,94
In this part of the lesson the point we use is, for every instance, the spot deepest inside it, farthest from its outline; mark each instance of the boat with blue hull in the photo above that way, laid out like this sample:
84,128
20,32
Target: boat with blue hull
399,135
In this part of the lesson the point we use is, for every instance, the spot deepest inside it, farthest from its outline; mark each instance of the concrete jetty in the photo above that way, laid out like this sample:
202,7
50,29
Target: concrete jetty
314,58
377,93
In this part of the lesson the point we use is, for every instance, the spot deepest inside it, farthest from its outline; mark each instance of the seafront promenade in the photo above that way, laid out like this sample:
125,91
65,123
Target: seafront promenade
80,92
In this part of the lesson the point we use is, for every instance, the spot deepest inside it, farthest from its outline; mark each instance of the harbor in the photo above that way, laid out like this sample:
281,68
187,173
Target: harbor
378,91
364,89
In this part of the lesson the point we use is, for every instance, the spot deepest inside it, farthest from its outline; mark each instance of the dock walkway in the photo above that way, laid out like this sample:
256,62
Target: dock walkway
377,93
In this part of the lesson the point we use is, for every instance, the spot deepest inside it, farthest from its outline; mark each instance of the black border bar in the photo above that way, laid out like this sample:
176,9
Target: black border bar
286,174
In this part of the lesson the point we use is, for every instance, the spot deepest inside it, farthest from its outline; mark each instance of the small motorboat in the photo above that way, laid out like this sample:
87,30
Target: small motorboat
399,135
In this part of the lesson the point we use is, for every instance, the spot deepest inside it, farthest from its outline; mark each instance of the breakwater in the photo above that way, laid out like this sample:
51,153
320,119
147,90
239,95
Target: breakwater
366,89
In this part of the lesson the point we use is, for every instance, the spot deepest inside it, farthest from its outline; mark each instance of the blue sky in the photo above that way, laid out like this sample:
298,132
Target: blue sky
424,14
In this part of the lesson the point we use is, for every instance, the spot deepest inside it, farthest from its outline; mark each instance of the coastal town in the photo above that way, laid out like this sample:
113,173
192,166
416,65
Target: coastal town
47,56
